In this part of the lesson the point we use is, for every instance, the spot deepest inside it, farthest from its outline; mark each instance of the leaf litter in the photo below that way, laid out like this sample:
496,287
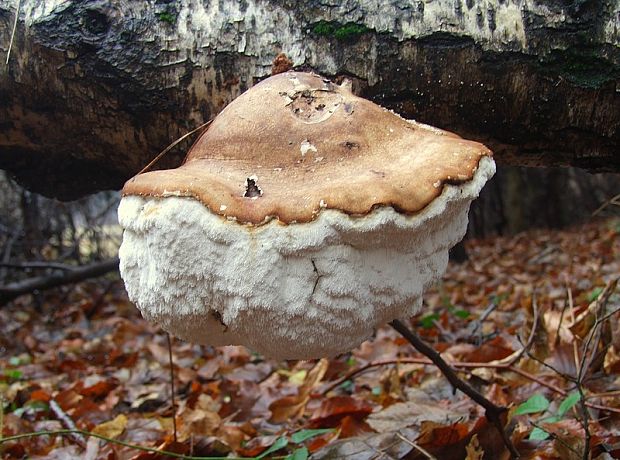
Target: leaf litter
68,365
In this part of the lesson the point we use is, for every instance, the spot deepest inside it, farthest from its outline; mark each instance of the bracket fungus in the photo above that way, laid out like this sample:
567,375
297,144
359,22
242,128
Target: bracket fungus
304,218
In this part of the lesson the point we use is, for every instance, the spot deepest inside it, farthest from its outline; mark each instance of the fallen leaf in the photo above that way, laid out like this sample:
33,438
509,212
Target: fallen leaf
434,434
292,407
492,350
203,420
334,409
351,426
412,413
473,449
113,428
369,447
611,363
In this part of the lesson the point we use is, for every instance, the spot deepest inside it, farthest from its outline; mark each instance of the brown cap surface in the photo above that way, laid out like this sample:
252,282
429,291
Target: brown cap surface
296,143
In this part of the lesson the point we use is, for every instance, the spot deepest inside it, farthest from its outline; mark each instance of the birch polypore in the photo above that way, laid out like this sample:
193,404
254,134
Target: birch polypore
302,219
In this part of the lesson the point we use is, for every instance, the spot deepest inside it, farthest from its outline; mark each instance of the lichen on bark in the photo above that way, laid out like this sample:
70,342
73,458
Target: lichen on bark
106,85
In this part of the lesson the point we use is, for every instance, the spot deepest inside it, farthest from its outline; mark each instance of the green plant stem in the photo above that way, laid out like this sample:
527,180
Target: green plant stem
17,437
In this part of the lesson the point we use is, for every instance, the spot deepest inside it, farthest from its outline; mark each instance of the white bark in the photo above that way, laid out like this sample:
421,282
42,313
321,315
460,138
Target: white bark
94,89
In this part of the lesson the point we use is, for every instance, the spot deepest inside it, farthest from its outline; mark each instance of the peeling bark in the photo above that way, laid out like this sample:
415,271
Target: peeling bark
95,89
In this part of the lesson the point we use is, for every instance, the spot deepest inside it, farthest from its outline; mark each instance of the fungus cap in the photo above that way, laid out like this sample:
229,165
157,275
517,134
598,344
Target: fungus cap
301,220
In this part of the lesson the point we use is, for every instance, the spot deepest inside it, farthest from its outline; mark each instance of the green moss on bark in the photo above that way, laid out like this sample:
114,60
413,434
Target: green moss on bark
348,31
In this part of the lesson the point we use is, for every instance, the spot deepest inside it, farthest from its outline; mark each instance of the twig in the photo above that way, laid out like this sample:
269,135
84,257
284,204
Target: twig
599,305
174,406
585,422
17,437
588,358
8,53
1,415
171,146
613,200
477,324
8,248
38,265
606,394
467,365
492,412
569,299
557,438
14,290
514,357
550,367
610,314
68,423
417,447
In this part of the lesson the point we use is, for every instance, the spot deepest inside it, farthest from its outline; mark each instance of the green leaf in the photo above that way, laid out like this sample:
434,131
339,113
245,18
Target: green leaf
568,403
463,314
299,454
537,403
279,444
538,434
14,374
304,435
594,293
428,321
552,419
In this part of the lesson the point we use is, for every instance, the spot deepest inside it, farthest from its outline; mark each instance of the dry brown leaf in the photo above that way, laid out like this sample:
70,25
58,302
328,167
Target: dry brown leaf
203,420
439,435
288,408
292,407
334,409
473,449
612,361
369,447
492,350
113,428
412,413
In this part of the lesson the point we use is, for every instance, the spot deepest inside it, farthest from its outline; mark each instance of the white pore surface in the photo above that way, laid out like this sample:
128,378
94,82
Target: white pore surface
294,291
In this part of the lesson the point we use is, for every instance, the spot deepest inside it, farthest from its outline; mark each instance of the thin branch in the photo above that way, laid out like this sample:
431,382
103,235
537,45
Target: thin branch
8,53
568,300
68,423
585,422
612,201
171,146
467,365
610,314
417,447
516,356
588,358
557,438
599,305
14,290
551,368
492,411
174,406
38,266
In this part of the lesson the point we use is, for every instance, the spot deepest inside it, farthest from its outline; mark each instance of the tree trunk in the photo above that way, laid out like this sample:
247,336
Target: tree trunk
95,89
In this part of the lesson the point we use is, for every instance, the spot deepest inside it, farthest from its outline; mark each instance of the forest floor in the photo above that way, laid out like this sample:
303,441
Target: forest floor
531,321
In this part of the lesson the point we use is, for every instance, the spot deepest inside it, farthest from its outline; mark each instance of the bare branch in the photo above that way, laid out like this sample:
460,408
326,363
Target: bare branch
39,283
